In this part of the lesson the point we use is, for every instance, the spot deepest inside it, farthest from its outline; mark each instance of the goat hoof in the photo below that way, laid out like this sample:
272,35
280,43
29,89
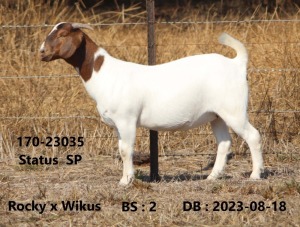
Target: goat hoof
212,177
255,176
126,180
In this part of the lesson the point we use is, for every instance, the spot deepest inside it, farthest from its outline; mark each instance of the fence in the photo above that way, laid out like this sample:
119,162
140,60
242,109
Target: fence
286,112
22,26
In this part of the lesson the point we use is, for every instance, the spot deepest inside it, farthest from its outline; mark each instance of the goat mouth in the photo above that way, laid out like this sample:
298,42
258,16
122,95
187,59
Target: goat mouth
46,58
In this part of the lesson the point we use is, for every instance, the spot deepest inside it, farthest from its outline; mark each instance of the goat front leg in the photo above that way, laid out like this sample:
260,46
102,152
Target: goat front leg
126,135
126,152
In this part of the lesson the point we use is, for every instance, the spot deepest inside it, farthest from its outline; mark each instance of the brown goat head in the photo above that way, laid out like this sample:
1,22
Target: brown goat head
62,42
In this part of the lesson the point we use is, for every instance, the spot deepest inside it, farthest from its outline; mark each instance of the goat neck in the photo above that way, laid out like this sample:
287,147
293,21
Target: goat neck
83,58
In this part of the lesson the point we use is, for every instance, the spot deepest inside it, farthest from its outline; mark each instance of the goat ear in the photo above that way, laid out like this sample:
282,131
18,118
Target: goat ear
79,25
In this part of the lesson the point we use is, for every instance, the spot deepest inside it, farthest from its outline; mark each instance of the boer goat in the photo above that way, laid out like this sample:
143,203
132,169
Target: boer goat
178,95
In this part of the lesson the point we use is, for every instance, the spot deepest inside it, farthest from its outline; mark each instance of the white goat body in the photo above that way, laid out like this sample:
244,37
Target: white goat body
178,95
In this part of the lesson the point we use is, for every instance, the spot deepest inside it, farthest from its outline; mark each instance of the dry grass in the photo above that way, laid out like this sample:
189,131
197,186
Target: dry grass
270,45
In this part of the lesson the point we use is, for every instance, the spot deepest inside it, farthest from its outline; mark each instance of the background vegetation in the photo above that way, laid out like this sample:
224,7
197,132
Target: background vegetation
48,99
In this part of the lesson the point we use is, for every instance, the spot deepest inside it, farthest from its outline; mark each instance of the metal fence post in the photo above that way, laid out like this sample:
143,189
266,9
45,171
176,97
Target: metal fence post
151,61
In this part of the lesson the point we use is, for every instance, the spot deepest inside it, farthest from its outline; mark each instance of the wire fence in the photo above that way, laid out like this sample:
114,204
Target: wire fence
98,117
250,70
18,26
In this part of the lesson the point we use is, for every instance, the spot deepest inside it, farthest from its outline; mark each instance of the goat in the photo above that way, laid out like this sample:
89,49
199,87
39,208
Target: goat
178,95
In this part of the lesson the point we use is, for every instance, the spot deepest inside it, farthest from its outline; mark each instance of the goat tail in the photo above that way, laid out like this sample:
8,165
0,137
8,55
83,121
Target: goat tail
240,49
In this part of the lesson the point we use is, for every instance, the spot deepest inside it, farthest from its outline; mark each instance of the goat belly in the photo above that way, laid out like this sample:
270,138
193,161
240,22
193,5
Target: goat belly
175,124
169,116
41,160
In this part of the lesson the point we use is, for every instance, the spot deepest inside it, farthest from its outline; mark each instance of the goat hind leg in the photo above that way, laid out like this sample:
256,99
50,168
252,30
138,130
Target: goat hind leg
244,129
253,139
223,138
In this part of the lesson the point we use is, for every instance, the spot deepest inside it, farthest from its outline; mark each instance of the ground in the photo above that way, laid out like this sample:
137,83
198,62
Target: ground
95,181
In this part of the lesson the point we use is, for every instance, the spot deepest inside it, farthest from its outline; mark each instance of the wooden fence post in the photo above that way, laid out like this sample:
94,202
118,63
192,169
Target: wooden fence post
151,61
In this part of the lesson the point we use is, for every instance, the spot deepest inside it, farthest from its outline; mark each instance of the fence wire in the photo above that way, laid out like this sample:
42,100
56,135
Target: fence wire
18,26
98,118
250,70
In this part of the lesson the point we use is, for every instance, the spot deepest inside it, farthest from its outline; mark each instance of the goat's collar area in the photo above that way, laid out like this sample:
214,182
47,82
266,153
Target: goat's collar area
86,70
86,59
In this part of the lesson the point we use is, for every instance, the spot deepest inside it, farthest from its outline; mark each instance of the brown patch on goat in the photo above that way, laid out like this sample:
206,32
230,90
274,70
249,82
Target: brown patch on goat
98,63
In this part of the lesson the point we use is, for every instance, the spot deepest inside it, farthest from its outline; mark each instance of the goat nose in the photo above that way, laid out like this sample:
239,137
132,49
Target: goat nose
42,48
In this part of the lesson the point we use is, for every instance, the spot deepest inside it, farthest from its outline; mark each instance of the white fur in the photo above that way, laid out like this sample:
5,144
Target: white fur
55,27
178,95
42,48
